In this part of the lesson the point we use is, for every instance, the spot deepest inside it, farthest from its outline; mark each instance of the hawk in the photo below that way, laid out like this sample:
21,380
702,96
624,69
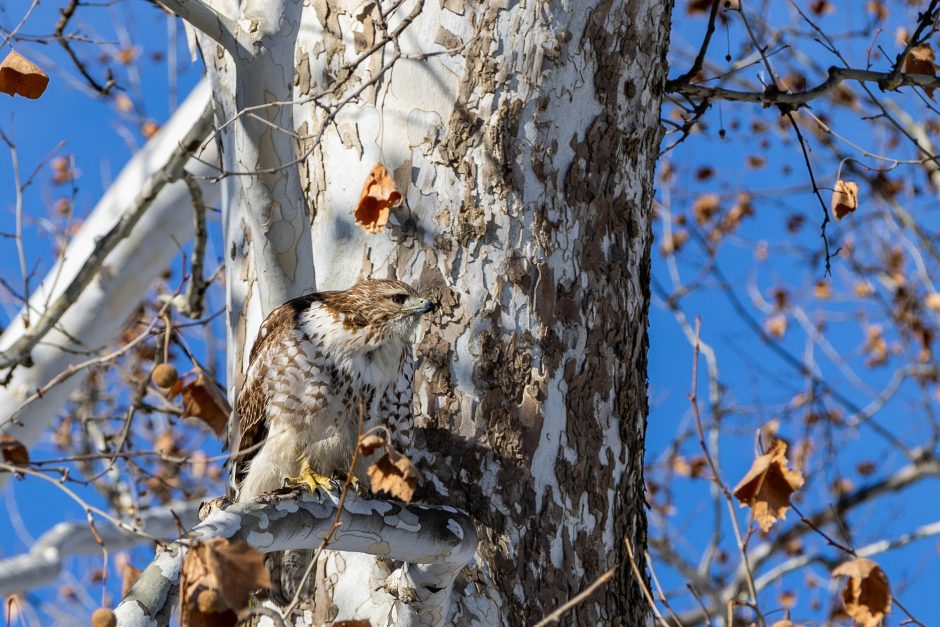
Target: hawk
316,358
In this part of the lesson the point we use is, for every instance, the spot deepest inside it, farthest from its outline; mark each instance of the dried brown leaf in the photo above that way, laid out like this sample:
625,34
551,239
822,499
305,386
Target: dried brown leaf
204,399
352,623
821,7
674,242
767,486
13,451
864,289
149,128
19,75
218,576
844,199
704,207
379,195
698,7
776,325
394,473
370,443
867,594
921,61
878,9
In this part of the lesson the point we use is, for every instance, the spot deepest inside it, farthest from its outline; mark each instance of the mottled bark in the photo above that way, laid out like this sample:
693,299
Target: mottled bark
525,150
265,218
434,543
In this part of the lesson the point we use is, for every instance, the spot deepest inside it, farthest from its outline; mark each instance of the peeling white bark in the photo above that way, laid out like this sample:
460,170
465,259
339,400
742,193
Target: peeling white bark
95,316
43,563
434,542
266,222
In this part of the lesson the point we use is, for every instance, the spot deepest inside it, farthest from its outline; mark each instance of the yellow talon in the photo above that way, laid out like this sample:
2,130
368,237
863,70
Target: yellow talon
312,480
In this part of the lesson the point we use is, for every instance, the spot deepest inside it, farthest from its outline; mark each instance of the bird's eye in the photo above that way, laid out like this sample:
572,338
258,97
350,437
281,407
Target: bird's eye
399,299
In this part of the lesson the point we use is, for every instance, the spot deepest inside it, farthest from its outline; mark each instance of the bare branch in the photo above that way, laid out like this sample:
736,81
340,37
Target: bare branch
43,563
773,97
19,352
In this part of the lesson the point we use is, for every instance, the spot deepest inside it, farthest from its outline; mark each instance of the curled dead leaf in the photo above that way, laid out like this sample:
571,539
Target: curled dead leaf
921,61
370,443
867,594
352,623
844,199
394,473
378,196
673,243
19,75
767,486
705,206
13,451
698,6
217,577
203,399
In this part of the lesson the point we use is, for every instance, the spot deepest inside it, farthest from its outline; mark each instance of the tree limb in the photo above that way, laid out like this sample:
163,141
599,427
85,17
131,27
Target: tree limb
95,319
203,17
43,563
774,97
19,351
435,542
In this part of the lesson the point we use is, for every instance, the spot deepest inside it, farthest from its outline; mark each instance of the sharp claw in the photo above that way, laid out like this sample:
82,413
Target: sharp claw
311,479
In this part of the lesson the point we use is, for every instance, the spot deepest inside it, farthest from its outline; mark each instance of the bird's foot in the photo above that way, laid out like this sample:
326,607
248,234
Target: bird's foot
359,487
311,479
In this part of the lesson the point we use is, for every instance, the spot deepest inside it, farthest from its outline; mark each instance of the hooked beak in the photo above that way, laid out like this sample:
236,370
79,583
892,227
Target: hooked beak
423,306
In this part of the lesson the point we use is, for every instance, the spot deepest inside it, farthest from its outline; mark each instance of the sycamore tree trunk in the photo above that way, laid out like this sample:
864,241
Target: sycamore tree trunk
523,137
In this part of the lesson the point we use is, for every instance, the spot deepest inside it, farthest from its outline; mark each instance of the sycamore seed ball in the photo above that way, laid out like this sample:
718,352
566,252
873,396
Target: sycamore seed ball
103,617
164,375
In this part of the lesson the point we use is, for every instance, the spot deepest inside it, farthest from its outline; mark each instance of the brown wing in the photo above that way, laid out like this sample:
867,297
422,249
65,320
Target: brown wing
252,401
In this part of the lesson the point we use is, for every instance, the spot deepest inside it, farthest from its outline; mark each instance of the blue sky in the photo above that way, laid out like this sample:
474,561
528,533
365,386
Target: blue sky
101,140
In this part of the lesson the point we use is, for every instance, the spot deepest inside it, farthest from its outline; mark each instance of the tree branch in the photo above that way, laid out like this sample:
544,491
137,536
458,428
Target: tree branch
19,351
203,17
773,97
43,563
435,542
95,319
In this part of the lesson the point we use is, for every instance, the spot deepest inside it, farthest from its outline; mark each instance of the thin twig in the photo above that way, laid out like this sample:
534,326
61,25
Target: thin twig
579,598
716,476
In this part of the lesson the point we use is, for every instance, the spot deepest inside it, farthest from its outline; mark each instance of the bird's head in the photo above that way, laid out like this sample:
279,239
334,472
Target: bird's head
378,305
